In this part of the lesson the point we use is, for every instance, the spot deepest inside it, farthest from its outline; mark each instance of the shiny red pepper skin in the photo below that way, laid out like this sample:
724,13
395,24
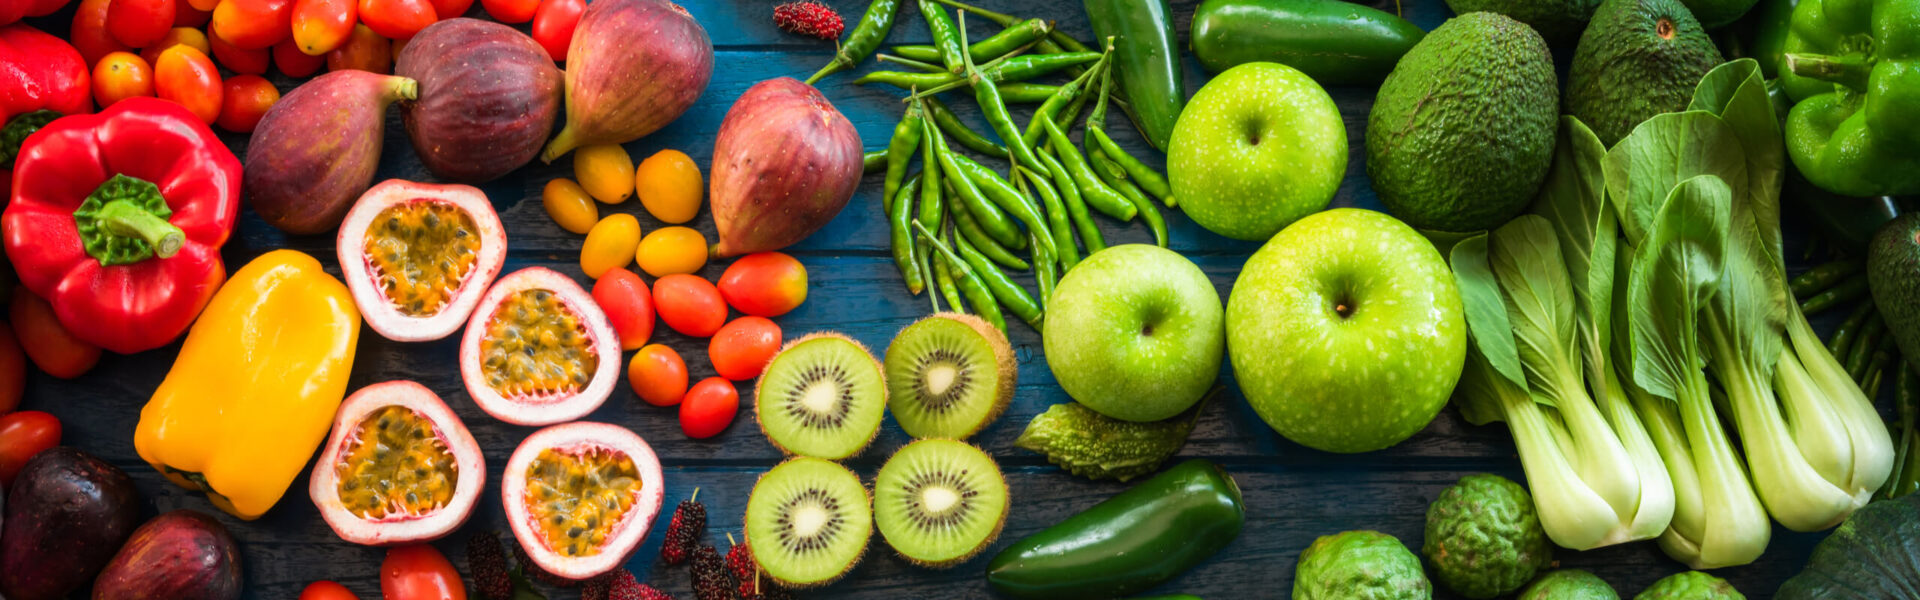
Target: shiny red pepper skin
40,71
142,305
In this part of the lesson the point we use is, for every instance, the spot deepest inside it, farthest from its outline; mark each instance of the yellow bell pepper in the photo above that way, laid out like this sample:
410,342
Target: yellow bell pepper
254,390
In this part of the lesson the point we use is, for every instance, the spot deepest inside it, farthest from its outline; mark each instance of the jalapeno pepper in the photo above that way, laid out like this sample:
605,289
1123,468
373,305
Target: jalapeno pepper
1334,42
1147,61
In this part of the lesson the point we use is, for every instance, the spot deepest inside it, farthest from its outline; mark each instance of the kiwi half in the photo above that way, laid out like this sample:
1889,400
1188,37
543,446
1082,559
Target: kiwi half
939,502
823,395
808,522
949,375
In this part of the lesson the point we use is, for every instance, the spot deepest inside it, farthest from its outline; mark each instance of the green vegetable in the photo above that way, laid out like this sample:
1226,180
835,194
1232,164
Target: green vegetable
951,127
906,139
899,220
1096,446
1069,93
1147,59
1771,20
873,161
1853,288
863,40
990,218
1076,206
946,37
1009,39
1128,543
1334,42
1855,71
970,231
15,133
1824,277
1690,585
1483,537
1096,193
1056,40
1005,291
1006,196
1359,564
1057,220
1568,584
969,283
1874,555
1849,329
1002,70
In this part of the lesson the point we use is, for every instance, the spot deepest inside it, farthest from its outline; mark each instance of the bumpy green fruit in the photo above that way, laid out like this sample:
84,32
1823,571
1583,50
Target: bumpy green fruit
1691,585
1638,58
1359,564
1559,20
1569,584
1484,538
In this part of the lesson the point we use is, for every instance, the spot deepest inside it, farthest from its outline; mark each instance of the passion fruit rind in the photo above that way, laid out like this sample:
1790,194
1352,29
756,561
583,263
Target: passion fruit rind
761,382
472,265
487,347
412,520
619,538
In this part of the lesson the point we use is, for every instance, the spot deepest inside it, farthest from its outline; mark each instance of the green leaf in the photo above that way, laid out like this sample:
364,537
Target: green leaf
1540,303
1662,152
1675,273
1737,92
1486,310
1573,198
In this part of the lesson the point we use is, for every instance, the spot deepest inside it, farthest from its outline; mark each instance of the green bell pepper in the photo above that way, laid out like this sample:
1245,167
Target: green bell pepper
1854,67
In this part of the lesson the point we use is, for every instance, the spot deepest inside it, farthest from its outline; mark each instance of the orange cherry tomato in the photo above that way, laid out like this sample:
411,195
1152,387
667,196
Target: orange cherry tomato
764,284
397,19
175,37
741,349
239,60
206,5
327,590
419,572
628,304
553,25
253,24
13,370
447,9
709,408
511,11
291,61
188,78
22,435
185,15
689,304
119,76
366,51
246,99
139,23
89,32
53,349
319,26
657,375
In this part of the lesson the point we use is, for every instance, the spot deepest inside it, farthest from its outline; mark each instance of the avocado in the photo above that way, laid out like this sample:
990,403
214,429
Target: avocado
1559,21
1483,537
1637,59
1462,130
1893,273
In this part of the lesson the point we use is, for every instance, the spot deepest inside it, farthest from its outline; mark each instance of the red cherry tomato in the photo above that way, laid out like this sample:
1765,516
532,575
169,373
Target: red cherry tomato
139,23
246,98
185,15
239,60
187,77
53,349
708,408
742,348
366,51
553,25
689,304
327,590
41,8
657,375
397,19
252,24
319,26
628,304
292,62
13,370
419,572
511,11
764,284
447,9
22,435
89,32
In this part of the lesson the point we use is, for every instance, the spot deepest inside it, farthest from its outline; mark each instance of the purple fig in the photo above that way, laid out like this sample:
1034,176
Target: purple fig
633,67
488,98
315,151
785,163
181,554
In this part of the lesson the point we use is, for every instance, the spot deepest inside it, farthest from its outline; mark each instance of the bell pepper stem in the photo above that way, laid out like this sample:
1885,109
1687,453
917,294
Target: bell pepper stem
127,218
1850,71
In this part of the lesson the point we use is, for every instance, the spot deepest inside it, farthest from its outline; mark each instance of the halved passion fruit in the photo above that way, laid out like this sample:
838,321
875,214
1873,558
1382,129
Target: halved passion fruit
400,467
538,351
581,496
418,256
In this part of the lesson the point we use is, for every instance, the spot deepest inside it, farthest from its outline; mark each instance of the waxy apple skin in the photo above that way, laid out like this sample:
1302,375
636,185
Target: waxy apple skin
1259,147
1358,381
1134,332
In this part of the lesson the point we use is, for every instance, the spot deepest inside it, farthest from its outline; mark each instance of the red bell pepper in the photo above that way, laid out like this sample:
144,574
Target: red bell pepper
118,218
39,71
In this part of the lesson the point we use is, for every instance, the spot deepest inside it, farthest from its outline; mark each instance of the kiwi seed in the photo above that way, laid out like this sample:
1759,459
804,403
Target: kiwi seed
939,502
949,375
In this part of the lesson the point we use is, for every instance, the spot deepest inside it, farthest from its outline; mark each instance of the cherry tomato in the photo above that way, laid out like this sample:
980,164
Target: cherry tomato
185,15
206,5
89,32
326,590
569,205
22,435
741,349
628,304
41,8
447,9
139,23
366,51
53,349
319,26
708,408
605,171
175,37
397,19
245,100
242,61
511,11
187,77
764,284
292,62
670,250
689,304
419,572
13,370
657,375
609,244
119,76
252,24
553,25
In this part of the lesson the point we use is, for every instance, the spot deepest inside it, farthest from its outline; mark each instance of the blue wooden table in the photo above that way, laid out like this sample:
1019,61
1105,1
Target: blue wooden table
1293,494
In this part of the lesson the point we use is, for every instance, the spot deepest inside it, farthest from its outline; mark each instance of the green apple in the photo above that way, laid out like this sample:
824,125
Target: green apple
1134,332
1257,148
1346,331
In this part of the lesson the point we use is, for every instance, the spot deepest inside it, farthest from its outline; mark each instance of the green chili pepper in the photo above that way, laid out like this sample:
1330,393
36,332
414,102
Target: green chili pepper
990,218
1882,356
1008,293
899,218
951,126
1132,193
971,286
964,223
864,39
1843,335
1067,95
1856,360
1147,178
1062,40
1057,221
1853,288
1046,272
943,273
1009,38
1097,194
933,209
1006,196
1007,70
995,109
946,35
1824,277
1906,394
873,161
906,138
1027,93
1076,207
925,67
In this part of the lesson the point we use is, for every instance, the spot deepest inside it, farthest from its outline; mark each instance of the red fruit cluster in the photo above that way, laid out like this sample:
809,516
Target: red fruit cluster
488,563
684,532
710,578
747,572
809,18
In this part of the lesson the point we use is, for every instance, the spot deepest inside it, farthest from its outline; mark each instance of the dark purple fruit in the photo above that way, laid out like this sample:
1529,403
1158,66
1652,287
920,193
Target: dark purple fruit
488,98
181,554
66,516
315,151
785,162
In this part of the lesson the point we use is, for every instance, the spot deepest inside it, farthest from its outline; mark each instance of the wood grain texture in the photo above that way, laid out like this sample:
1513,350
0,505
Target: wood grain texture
1293,494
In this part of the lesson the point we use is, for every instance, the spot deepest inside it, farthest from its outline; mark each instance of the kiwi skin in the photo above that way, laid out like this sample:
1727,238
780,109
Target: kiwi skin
999,522
760,385
866,496
1003,362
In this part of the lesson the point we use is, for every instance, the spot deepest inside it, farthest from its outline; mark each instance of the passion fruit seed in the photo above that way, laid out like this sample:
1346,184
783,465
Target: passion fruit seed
420,251
535,347
576,497
809,521
821,397
397,465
